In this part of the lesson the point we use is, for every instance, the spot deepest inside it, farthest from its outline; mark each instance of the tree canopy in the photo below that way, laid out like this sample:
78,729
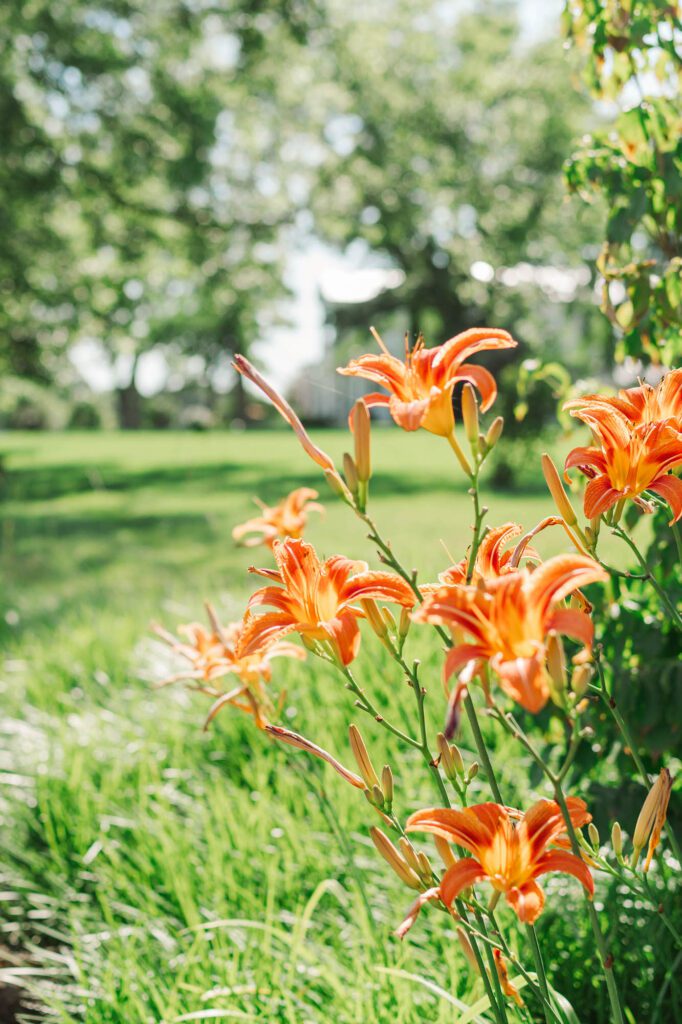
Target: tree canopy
162,161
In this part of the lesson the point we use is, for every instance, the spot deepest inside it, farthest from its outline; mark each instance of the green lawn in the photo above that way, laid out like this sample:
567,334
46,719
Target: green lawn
151,872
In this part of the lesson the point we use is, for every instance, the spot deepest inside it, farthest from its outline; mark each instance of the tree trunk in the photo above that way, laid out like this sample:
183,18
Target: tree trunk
129,411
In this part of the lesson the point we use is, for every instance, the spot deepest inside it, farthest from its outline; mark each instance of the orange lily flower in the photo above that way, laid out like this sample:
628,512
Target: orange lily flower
286,519
628,461
510,619
491,560
420,387
315,599
510,856
213,653
640,405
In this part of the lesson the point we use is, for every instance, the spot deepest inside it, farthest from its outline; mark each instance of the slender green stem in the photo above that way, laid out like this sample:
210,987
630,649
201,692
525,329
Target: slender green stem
665,599
576,740
605,956
678,539
539,968
366,704
533,983
420,695
624,729
479,514
470,709
493,970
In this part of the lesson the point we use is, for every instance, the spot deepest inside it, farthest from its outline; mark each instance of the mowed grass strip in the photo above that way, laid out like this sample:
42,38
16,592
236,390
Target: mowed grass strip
151,872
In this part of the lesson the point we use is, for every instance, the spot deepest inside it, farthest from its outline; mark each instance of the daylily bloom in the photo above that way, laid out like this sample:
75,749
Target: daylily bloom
628,461
420,386
509,620
640,405
316,599
213,653
491,560
286,519
509,855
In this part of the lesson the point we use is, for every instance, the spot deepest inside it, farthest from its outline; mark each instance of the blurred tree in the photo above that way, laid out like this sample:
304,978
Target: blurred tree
447,146
142,191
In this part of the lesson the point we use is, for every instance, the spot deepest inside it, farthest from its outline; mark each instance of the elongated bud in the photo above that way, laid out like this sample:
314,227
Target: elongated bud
370,800
503,974
410,854
361,433
389,619
590,537
387,784
494,431
470,415
404,623
350,473
652,817
556,489
425,869
472,773
294,740
374,617
556,663
467,948
447,761
394,859
362,758
445,851
617,839
593,833
378,797
338,486
580,679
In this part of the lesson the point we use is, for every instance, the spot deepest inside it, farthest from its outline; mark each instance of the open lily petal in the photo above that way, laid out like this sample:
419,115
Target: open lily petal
461,875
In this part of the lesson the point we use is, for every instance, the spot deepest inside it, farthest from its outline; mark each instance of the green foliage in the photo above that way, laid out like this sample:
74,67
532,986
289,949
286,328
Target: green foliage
635,167
27,405
456,160
141,187
127,834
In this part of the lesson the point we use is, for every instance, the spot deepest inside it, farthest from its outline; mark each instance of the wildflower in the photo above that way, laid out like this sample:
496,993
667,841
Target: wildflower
510,619
491,560
420,386
628,464
652,818
286,519
641,405
510,856
316,599
633,452
213,653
